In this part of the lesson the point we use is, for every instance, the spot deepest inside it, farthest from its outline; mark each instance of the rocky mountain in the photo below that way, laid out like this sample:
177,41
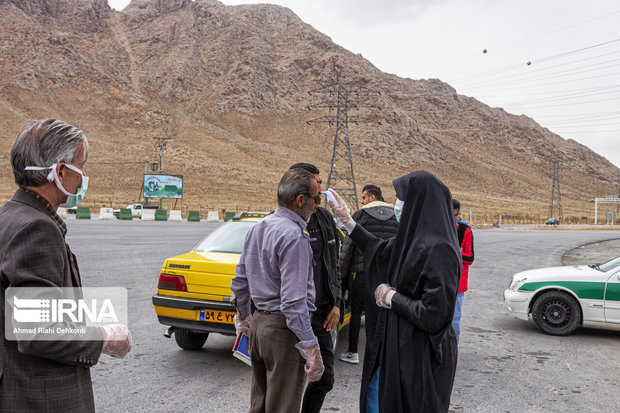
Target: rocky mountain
230,85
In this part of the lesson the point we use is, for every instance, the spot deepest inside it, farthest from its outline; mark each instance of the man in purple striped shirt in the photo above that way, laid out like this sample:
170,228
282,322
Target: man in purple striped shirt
275,274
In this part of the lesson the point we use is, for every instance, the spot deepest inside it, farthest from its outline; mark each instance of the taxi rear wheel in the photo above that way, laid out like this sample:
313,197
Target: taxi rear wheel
556,313
188,340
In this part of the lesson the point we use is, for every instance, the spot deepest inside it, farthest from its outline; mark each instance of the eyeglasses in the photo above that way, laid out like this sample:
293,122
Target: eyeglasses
317,199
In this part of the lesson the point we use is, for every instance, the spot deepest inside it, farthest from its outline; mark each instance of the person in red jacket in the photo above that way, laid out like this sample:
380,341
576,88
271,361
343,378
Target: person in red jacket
466,242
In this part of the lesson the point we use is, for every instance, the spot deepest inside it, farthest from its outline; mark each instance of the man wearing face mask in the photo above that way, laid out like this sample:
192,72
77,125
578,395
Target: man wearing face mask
48,160
325,243
274,274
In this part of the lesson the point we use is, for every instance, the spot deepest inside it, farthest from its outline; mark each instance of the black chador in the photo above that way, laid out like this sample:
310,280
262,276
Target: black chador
413,342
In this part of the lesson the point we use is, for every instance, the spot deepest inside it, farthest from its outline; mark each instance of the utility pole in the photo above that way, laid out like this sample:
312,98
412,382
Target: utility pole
553,205
344,98
161,145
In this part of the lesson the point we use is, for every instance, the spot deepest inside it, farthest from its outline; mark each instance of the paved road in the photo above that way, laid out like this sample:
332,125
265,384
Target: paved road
505,365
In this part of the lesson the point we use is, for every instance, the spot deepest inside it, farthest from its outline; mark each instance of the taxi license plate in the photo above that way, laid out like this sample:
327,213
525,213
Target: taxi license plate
215,316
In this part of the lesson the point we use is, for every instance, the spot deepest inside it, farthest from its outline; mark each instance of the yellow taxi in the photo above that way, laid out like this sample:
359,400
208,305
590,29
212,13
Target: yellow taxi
193,293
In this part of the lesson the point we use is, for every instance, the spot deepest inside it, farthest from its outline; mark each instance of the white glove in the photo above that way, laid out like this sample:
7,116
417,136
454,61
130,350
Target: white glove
314,367
116,340
340,209
383,295
242,325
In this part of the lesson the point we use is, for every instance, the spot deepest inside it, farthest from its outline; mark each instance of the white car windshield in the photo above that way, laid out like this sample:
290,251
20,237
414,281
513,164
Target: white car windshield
609,265
227,238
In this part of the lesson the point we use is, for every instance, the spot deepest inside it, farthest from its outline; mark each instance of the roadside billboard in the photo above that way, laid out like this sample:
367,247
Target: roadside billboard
163,186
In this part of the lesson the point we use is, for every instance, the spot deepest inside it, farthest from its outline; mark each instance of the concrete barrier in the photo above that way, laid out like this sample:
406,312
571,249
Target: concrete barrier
82,213
62,212
148,215
125,214
161,215
175,216
213,216
193,216
106,213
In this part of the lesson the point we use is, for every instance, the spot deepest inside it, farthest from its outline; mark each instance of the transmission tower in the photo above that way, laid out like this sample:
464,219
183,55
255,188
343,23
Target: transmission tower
553,204
345,98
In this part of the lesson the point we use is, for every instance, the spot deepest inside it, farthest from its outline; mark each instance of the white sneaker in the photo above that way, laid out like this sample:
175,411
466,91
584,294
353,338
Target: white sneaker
353,358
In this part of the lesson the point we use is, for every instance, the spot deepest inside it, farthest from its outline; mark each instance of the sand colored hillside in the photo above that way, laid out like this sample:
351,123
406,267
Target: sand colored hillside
230,85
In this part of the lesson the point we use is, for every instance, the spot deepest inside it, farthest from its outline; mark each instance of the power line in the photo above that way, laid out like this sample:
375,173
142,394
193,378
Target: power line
524,84
533,75
596,131
570,104
563,97
544,59
503,46
568,91
582,115
565,28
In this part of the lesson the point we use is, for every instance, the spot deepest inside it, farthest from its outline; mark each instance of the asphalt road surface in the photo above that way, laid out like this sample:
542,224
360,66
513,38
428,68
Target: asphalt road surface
505,364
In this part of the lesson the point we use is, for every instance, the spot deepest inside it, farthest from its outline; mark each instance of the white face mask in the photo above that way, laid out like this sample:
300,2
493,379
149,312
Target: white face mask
73,199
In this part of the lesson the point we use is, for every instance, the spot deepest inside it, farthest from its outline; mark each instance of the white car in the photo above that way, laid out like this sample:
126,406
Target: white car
136,210
559,299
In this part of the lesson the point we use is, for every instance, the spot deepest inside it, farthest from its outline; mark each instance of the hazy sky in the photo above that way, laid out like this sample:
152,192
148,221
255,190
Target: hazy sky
571,86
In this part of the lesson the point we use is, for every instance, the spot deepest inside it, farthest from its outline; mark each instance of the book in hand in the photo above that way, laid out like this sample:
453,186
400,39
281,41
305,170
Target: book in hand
241,349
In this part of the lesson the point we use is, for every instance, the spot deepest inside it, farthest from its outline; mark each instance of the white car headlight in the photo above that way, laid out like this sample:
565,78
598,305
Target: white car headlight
517,284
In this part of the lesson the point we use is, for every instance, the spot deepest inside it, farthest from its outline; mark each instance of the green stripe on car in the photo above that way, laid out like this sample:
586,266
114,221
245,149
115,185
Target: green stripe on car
582,289
613,292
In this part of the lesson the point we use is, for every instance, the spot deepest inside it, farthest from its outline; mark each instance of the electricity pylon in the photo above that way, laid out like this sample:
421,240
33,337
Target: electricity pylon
553,205
345,98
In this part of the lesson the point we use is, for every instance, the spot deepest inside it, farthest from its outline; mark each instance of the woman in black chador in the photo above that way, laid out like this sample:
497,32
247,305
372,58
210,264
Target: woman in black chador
415,276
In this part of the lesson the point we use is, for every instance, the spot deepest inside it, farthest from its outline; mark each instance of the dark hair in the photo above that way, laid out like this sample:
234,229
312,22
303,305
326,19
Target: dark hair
373,190
307,166
295,181
456,204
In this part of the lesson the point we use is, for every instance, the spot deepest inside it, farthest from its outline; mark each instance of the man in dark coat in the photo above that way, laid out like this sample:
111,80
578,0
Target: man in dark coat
48,160
377,217
325,243
416,276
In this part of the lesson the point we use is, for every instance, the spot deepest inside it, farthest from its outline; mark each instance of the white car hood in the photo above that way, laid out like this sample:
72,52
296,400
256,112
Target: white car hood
559,273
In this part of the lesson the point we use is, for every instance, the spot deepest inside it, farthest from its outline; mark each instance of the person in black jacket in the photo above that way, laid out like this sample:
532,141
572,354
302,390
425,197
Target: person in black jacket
378,218
325,243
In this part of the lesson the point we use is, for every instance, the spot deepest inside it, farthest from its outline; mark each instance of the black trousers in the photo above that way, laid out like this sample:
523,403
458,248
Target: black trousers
316,391
357,307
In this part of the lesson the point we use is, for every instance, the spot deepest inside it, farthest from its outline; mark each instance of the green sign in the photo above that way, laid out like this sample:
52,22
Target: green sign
163,186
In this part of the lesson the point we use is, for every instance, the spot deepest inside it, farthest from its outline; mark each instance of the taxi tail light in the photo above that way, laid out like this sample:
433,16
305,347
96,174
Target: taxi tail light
171,282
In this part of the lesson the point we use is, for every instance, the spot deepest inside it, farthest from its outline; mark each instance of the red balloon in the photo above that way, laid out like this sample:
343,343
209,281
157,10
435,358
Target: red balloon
484,50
